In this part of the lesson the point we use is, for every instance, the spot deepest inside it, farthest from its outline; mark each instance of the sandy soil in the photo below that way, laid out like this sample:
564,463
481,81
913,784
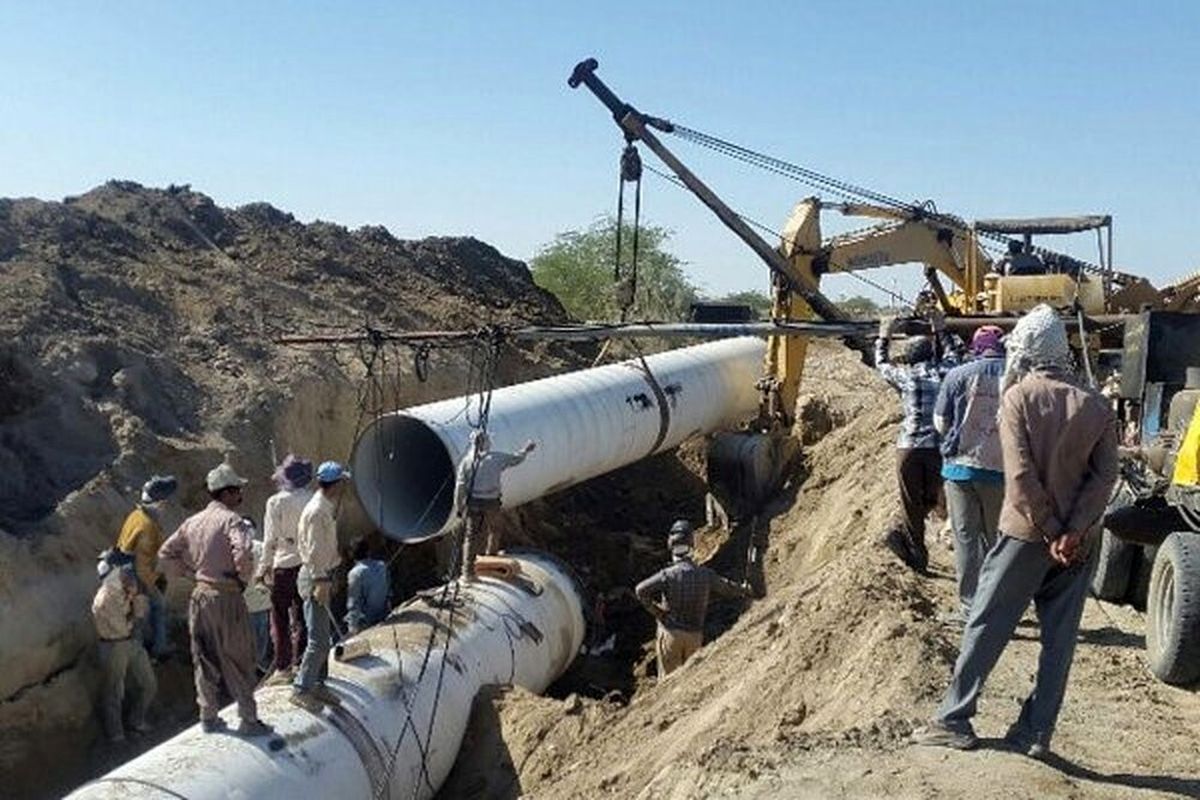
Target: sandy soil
815,689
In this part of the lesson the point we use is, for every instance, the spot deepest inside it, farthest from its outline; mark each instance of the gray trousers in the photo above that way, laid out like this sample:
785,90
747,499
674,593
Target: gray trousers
974,508
1014,573
122,661
222,650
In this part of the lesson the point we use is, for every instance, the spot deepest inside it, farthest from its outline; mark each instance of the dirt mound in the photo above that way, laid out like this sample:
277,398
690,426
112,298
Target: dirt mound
814,690
137,331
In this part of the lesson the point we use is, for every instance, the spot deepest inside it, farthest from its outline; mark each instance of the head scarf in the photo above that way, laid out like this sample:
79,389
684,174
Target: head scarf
1039,341
987,341
293,473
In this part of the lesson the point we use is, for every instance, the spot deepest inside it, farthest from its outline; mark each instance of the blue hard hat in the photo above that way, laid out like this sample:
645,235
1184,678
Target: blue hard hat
331,472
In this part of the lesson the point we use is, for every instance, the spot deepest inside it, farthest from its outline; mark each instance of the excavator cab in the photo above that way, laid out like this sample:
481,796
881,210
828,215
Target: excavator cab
1029,274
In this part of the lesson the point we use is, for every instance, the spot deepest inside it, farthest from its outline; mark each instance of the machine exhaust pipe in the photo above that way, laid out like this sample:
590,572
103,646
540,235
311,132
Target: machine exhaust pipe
405,696
585,423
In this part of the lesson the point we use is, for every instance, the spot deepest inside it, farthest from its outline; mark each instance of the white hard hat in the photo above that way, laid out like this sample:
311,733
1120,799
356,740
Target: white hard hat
223,477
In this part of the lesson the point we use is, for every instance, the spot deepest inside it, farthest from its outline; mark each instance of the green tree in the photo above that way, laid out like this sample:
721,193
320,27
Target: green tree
859,307
577,267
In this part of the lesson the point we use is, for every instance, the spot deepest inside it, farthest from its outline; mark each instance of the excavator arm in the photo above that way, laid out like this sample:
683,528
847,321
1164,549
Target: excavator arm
902,236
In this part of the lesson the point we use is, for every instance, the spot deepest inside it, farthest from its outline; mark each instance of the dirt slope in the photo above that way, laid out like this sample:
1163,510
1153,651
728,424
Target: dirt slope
136,331
814,690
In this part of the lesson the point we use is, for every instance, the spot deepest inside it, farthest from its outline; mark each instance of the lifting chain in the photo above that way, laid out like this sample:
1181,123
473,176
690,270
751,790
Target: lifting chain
625,287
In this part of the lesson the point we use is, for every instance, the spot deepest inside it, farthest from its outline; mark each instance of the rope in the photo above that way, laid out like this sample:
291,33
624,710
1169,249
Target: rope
481,374
849,191
768,229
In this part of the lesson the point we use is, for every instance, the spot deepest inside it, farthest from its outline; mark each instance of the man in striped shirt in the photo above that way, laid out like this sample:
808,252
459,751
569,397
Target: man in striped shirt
918,461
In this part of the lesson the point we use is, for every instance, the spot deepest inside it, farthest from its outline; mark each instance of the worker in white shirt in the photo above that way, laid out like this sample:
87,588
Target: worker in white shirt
318,546
279,567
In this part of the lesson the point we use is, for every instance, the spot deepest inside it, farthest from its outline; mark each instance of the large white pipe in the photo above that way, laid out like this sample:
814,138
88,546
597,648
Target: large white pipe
404,706
585,423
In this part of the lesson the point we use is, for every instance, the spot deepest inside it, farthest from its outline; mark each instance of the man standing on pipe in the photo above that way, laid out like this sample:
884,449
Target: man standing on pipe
280,566
215,548
318,546
477,493
677,596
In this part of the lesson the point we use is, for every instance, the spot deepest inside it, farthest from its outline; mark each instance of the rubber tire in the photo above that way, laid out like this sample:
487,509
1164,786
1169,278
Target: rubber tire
1114,568
1173,611
1117,559
1139,580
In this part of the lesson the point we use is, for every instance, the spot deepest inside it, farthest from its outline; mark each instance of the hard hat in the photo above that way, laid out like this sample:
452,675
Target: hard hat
223,477
159,487
332,472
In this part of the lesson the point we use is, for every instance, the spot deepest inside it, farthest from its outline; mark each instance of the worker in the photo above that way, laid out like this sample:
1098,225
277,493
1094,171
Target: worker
318,545
1059,442
141,535
477,493
918,460
258,604
1020,261
123,659
677,597
368,589
966,416
280,565
214,548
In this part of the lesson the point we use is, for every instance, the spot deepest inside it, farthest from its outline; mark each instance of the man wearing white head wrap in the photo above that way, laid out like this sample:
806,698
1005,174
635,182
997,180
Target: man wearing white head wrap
1059,442
1039,340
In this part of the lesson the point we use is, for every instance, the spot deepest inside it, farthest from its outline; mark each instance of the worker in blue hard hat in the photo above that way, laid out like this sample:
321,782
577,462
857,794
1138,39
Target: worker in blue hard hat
677,596
318,545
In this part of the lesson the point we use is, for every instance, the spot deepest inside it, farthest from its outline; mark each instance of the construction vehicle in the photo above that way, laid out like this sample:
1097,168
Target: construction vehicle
1137,337
1150,551
983,290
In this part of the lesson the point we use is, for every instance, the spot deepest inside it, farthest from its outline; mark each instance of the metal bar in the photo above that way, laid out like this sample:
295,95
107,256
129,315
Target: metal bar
632,122
682,330
698,330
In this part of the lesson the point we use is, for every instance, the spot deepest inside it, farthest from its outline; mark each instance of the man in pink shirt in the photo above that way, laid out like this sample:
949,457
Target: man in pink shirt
215,548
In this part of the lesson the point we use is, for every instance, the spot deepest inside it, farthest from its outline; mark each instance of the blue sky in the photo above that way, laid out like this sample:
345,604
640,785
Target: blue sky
456,118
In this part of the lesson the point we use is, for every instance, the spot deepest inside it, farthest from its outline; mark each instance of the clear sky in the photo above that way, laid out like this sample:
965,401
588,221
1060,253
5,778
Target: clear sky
455,118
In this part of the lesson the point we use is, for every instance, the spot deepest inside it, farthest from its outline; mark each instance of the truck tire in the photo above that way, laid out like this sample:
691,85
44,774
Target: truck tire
1117,558
1114,567
1173,611
1139,577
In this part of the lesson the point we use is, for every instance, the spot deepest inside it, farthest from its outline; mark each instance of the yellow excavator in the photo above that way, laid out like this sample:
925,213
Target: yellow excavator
1150,338
981,290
